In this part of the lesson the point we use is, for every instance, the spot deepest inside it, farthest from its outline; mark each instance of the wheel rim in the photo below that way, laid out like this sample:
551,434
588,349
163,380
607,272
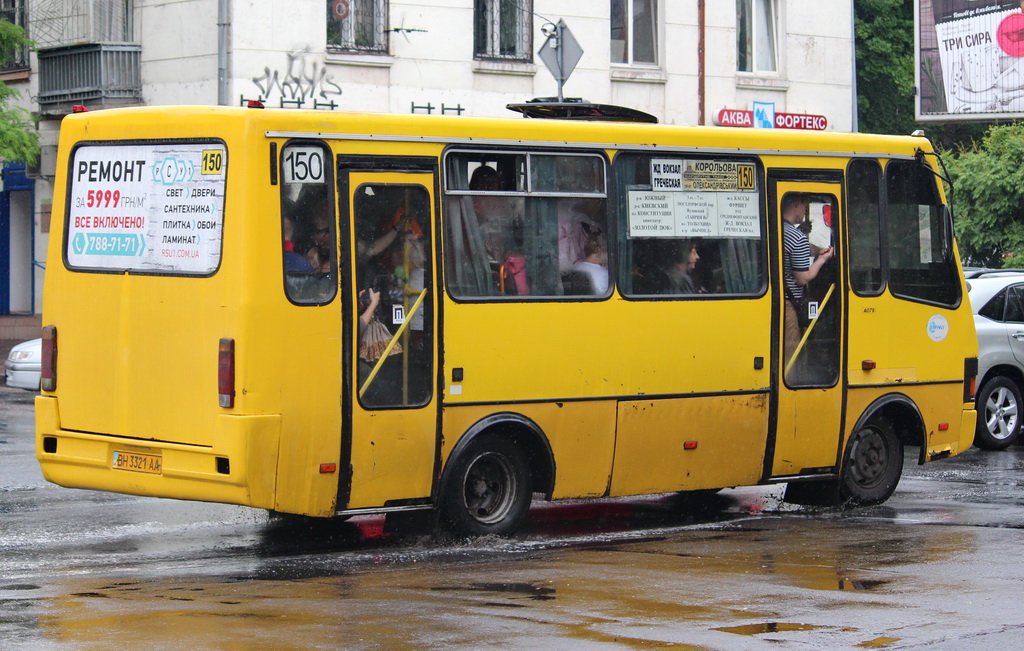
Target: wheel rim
1001,414
869,458
489,488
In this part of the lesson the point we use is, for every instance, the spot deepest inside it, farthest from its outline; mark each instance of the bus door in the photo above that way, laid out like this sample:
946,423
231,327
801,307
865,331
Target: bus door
809,414
390,433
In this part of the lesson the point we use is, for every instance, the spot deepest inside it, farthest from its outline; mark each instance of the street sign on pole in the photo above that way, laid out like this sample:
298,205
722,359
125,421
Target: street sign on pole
560,53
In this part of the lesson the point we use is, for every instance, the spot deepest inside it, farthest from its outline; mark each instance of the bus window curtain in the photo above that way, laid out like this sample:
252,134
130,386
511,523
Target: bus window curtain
741,263
540,245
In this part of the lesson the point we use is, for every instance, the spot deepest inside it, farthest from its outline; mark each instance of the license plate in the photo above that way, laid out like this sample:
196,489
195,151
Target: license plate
151,464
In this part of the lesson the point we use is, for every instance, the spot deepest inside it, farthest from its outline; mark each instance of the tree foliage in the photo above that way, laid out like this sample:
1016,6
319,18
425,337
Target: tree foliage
988,197
885,65
18,137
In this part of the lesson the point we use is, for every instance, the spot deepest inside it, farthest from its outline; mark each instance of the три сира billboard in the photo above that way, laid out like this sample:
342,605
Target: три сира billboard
970,62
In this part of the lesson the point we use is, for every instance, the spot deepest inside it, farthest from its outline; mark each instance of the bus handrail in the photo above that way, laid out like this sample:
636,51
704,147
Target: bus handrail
807,332
391,344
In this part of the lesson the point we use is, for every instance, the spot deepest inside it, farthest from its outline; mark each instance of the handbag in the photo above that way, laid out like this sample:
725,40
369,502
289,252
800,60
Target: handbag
376,338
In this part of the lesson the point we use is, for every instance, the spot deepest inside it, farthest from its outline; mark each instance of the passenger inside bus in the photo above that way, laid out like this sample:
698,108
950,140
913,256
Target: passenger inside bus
308,239
292,260
680,267
590,275
498,223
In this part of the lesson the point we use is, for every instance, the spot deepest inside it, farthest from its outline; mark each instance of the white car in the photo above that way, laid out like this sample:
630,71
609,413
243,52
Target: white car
24,364
997,300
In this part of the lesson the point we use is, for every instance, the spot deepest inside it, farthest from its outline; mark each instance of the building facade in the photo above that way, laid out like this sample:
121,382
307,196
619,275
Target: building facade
772,63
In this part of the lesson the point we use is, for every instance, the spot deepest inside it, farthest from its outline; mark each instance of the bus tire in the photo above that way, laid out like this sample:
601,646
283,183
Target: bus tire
489,488
999,413
873,465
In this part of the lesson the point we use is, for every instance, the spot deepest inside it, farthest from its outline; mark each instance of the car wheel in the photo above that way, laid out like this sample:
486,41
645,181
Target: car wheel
489,488
999,404
873,465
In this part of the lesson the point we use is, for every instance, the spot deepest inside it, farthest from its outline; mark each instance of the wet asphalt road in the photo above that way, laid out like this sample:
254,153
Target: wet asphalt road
937,566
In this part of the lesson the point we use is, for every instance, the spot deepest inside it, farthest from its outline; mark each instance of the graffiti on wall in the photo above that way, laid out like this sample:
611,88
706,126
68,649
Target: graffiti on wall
304,83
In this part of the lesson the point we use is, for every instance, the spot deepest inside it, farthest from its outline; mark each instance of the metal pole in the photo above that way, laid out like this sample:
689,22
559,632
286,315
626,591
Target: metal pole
561,57
222,52
854,122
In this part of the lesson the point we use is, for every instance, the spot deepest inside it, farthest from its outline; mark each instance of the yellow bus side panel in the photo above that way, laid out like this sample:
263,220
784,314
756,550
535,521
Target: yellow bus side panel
581,436
808,431
949,422
187,472
397,462
730,434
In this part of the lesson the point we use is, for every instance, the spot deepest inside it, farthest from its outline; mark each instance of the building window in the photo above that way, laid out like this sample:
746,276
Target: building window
13,12
756,36
634,35
357,26
502,30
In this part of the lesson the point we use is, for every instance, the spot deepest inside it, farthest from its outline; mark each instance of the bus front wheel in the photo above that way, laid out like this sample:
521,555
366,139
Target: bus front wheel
873,466
488,491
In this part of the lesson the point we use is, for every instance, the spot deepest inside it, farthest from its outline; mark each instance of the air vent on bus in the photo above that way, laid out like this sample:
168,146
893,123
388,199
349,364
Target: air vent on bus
576,108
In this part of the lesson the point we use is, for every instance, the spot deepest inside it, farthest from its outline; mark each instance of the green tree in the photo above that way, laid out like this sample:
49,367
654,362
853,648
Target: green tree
988,197
19,140
885,65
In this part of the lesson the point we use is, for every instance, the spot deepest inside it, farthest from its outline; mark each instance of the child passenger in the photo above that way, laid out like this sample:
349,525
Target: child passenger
595,263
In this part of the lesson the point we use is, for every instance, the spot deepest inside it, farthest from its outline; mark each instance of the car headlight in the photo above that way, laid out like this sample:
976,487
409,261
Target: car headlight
19,356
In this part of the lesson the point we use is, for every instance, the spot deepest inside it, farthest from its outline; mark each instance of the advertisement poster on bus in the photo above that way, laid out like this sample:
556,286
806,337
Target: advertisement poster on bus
155,208
696,198
970,59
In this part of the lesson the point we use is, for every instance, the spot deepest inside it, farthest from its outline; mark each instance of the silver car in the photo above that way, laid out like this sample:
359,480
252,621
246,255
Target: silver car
997,300
24,364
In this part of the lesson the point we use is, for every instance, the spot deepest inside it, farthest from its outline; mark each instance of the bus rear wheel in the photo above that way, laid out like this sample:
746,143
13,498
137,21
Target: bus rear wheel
489,488
873,465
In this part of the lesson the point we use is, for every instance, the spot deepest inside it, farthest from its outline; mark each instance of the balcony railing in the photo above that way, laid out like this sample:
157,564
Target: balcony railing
95,75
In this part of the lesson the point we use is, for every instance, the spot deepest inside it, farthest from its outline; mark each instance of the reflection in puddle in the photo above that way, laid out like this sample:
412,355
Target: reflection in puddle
852,584
531,591
767,627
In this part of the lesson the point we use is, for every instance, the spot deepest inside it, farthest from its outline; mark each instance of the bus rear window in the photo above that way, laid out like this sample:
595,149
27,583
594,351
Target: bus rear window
156,207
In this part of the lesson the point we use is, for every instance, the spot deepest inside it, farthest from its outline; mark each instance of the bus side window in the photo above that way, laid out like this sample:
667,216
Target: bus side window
688,240
920,266
863,183
308,240
509,236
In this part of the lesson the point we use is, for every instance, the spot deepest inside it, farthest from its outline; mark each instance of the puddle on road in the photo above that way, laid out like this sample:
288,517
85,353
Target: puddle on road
787,627
879,642
529,590
776,627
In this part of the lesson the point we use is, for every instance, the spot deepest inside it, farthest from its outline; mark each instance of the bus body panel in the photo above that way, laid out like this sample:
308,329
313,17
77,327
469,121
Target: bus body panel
581,436
566,349
689,443
188,472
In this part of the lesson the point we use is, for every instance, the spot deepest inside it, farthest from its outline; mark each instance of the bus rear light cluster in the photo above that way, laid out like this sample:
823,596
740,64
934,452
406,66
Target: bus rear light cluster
226,373
48,369
970,378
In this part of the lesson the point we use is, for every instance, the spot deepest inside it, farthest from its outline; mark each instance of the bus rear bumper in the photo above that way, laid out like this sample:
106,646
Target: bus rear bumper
239,468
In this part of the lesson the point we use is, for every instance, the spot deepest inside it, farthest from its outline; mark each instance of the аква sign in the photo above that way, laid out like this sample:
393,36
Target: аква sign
741,118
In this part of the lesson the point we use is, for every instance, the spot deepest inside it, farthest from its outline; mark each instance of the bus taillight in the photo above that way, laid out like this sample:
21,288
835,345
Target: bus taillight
226,373
970,378
48,370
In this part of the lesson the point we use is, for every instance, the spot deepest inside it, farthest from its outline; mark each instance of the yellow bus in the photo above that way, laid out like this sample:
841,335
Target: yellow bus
331,314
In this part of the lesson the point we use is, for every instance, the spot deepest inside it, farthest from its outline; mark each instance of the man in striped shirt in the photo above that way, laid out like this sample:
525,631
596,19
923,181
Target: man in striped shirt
797,267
